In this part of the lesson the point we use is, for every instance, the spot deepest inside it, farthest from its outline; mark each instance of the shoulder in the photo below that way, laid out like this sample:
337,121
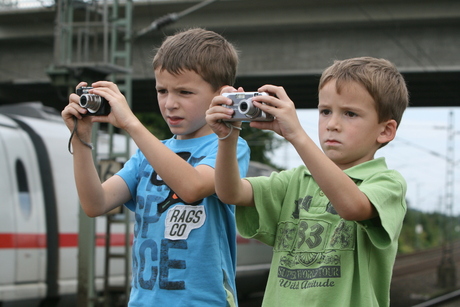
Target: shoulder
374,170
291,177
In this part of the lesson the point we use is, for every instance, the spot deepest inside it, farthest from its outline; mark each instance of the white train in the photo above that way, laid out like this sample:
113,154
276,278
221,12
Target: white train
39,214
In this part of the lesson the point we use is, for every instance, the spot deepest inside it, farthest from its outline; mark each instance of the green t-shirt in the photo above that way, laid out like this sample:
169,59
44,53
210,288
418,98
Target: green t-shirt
320,259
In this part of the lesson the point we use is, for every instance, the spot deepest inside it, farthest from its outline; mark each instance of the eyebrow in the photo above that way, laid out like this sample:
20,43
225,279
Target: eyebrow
354,108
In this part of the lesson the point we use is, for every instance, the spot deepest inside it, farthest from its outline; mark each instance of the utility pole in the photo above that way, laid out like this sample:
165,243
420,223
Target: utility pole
446,270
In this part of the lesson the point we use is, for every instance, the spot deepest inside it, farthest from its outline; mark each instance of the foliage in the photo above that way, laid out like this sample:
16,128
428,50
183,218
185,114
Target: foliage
422,230
155,123
261,143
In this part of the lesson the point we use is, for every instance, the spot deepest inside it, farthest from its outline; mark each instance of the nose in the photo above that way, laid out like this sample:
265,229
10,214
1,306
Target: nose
170,102
333,123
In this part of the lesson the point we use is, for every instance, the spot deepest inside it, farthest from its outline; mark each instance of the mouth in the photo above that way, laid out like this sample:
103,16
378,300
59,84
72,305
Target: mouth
174,120
331,142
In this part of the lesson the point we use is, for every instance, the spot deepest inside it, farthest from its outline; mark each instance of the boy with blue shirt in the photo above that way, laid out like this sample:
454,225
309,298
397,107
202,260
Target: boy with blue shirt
184,249
334,222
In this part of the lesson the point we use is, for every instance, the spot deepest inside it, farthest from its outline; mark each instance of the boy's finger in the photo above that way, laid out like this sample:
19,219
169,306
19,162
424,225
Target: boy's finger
81,84
220,100
279,91
227,89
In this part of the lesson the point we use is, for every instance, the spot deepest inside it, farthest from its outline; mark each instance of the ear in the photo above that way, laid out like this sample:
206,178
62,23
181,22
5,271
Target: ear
219,91
388,131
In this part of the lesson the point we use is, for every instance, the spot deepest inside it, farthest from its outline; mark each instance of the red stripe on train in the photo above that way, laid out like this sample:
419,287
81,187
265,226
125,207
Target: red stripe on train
241,240
27,240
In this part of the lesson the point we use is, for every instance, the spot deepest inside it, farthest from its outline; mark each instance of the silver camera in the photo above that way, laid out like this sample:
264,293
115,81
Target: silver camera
244,108
95,104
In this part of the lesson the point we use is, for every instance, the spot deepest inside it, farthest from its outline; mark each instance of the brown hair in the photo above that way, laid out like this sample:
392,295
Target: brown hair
381,79
205,52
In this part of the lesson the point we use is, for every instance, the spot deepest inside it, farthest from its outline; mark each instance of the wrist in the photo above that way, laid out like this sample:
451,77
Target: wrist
300,139
232,128
134,126
75,132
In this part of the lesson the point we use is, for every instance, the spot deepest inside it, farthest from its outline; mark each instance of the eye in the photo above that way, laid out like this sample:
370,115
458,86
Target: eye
161,91
350,114
186,92
325,112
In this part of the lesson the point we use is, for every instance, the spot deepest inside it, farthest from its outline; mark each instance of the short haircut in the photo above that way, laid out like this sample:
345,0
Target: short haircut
205,52
381,79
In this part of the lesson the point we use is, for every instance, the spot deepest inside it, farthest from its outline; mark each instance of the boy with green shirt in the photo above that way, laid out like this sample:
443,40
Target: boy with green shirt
334,222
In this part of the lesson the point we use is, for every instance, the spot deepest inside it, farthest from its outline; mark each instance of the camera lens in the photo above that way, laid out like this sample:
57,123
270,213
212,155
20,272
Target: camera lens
243,107
90,102
247,108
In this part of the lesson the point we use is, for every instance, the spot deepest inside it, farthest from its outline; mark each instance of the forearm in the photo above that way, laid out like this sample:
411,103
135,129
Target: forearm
346,197
87,181
230,188
189,183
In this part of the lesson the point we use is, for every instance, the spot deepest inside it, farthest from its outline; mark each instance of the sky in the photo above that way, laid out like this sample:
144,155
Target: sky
418,152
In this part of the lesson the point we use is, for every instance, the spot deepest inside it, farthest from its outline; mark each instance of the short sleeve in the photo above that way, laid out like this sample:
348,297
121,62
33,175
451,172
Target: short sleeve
386,191
243,154
130,174
261,222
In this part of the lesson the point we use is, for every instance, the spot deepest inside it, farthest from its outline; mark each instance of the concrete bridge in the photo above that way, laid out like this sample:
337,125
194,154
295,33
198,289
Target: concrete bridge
285,43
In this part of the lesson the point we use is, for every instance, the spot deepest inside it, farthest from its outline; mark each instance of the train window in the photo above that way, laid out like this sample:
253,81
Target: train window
24,193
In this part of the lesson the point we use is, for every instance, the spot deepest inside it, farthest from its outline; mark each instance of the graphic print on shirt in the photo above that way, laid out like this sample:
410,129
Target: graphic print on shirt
151,258
172,197
311,247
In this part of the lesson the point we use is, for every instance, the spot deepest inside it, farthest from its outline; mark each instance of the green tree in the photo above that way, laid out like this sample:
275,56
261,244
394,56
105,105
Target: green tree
155,123
261,143
423,230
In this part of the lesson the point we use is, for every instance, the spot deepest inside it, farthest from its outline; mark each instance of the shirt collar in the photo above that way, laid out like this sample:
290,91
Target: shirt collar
367,169
363,170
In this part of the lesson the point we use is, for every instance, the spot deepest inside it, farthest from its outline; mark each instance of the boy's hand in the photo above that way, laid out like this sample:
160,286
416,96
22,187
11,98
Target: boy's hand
120,115
278,104
217,113
73,111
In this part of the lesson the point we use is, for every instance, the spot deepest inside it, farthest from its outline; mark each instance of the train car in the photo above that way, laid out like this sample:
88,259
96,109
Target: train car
39,213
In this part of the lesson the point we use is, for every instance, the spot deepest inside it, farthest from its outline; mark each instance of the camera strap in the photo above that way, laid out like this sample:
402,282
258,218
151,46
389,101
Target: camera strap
231,130
75,131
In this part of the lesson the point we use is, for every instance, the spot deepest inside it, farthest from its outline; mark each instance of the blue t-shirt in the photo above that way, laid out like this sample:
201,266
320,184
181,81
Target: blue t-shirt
183,254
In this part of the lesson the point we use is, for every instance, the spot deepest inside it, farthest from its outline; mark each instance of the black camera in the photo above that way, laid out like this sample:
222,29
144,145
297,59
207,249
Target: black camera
95,104
245,109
